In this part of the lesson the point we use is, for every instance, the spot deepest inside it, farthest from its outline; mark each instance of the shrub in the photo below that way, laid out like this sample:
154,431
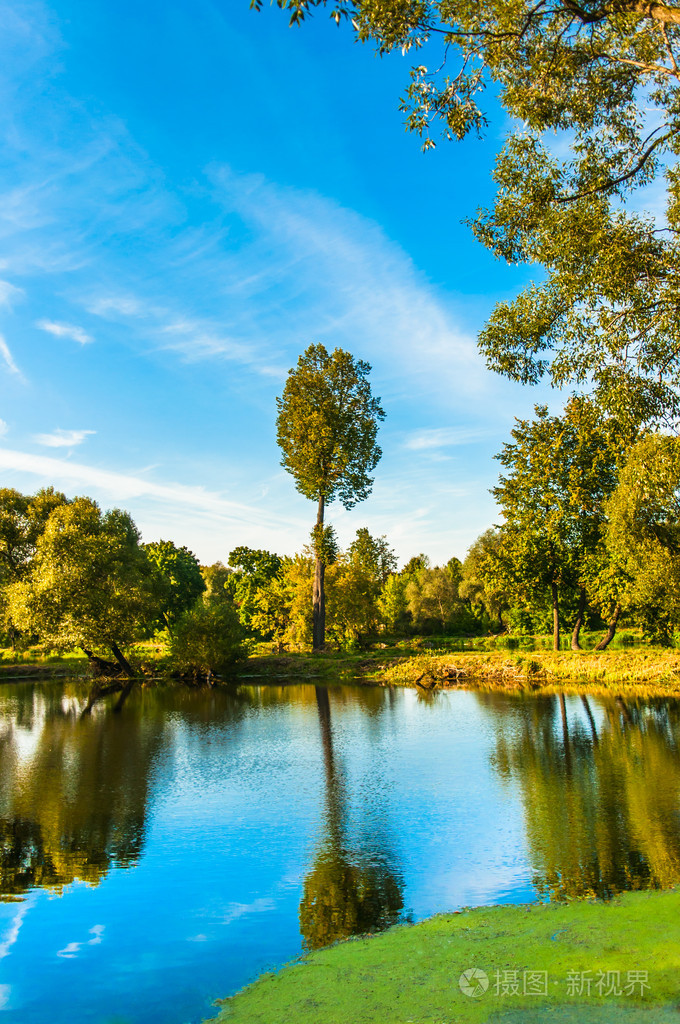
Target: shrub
208,638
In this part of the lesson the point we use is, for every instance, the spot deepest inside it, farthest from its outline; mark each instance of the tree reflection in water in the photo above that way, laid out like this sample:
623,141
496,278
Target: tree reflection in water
74,787
347,892
601,803
73,794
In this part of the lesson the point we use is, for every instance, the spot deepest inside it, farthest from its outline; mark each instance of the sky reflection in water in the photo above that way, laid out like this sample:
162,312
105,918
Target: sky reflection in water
156,859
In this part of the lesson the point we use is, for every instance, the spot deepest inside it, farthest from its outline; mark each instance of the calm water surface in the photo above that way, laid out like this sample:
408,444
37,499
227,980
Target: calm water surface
154,859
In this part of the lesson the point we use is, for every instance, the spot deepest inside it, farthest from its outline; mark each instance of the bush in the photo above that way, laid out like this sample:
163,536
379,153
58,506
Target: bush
208,638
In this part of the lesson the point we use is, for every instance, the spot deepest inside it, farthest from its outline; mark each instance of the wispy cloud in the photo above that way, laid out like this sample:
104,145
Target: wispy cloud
315,270
445,437
63,438
8,358
9,293
70,951
12,933
236,911
123,487
3,428
119,305
195,342
60,330
297,267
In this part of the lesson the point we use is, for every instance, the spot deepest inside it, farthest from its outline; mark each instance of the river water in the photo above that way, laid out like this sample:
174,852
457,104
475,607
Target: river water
157,857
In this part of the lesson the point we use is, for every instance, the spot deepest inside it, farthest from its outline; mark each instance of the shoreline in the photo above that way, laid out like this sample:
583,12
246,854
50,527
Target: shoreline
633,672
415,972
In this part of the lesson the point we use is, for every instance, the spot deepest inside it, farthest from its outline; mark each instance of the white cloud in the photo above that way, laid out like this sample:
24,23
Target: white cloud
445,437
319,271
60,330
12,933
71,951
193,341
123,487
236,911
8,293
63,438
8,358
117,305
304,269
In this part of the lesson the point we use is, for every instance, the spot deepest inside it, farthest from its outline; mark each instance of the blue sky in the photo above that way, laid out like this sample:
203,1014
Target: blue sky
190,194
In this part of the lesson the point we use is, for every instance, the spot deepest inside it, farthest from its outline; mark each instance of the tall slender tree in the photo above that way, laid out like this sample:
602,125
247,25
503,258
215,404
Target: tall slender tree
327,426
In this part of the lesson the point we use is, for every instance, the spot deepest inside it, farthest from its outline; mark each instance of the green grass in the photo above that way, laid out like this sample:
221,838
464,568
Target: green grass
499,663
410,974
645,671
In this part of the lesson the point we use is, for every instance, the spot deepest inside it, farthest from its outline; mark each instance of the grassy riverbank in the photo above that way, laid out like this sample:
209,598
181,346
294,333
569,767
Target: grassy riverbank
410,974
480,663
644,671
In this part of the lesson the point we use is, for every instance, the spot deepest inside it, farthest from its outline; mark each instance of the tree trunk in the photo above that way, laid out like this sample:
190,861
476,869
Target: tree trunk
97,693
625,710
125,693
556,616
575,645
611,630
122,660
100,666
318,594
565,735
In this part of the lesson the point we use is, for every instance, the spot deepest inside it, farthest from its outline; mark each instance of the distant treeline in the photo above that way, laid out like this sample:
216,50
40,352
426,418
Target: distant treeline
591,535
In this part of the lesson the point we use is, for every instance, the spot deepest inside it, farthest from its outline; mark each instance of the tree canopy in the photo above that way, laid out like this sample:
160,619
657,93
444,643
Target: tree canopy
561,469
327,426
90,584
179,579
591,89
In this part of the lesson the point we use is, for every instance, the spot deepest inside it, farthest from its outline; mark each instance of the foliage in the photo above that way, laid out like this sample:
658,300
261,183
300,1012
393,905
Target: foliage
179,579
433,601
592,90
643,532
22,520
208,638
416,565
327,425
561,470
323,544
90,583
283,606
355,582
353,603
252,569
480,584
216,579
374,555
392,604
